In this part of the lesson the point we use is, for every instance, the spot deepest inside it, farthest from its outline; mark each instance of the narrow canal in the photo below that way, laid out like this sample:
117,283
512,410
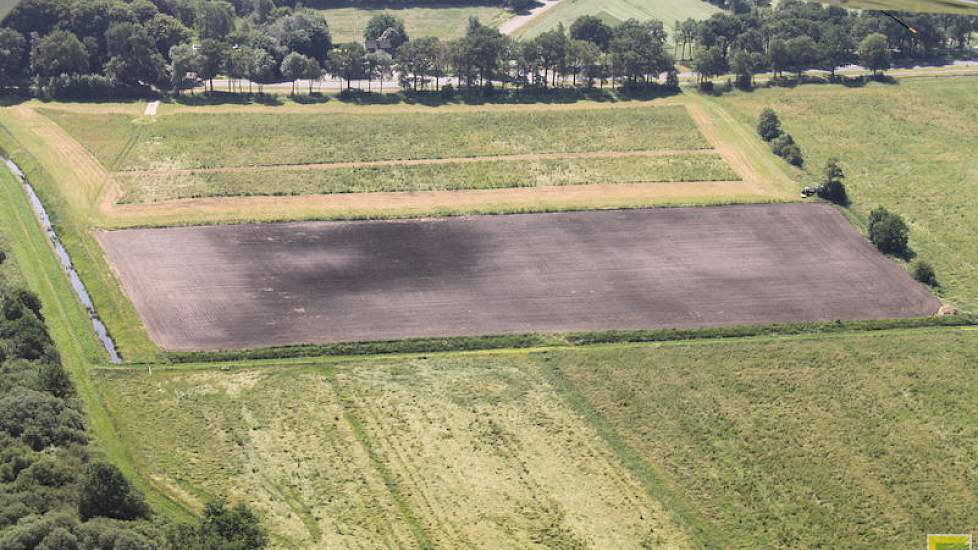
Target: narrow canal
62,254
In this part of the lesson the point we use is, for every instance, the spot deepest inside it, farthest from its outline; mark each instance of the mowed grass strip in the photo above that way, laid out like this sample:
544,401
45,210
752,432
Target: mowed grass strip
183,141
862,440
139,188
456,451
909,147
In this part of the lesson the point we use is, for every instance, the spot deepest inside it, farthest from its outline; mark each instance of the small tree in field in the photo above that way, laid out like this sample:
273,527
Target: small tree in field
768,125
832,188
888,232
923,272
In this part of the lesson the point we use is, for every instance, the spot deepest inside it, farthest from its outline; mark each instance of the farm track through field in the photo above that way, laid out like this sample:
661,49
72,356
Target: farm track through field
419,162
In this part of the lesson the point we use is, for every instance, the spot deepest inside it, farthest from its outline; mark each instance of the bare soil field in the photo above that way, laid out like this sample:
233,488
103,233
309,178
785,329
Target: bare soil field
246,286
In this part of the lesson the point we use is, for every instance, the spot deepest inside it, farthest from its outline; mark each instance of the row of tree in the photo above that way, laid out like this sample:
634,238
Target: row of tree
54,492
165,43
797,36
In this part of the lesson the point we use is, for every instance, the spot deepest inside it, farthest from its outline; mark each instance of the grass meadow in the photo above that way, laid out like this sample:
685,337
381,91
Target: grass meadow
444,21
796,442
616,11
909,147
449,452
185,141
452,176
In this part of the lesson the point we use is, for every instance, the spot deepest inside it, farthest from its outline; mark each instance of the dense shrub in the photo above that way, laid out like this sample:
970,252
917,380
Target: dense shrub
52,496
768,125
88,87
785,147
832,188
105,493
924,272
888,232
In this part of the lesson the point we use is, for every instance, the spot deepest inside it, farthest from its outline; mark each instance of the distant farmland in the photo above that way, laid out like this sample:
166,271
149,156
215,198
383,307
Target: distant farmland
616,11
445,21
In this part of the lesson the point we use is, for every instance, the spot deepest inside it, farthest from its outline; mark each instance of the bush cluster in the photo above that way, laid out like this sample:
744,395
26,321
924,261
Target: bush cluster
783,145
888,232
55,494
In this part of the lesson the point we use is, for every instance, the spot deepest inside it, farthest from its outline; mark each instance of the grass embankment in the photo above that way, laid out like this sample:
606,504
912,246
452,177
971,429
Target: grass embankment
183,140
614,12
69,326
445,21
489,174
909,147
70,194
766,442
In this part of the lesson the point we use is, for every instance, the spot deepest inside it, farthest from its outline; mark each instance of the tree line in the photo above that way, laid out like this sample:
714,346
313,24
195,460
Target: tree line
56,491
94,48
78,47
797,36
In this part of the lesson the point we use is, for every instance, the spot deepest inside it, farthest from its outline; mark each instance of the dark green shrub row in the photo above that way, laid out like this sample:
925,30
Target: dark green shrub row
523,341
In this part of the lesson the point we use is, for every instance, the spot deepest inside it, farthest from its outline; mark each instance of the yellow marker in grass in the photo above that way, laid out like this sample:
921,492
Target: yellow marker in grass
949,542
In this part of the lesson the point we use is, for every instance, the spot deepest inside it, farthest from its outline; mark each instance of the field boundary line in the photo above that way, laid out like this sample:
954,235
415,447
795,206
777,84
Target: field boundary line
421,162
415,204
737,147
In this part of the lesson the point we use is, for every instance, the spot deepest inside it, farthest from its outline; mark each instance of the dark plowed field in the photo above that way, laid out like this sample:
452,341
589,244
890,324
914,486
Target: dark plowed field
226,287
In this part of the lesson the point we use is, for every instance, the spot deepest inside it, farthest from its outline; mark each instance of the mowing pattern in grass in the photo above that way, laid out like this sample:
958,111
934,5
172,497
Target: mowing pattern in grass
616,11
805,443
909,147
443,21
183,141
453,452
425,177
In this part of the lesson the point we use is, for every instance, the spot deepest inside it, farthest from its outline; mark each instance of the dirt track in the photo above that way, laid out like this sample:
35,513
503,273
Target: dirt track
263,285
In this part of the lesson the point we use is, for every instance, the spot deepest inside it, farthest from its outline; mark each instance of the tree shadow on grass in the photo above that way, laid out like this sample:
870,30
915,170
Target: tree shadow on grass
227,98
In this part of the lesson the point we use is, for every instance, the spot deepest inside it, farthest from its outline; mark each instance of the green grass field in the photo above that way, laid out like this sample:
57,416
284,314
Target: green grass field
795,442
183,141
909,147
426,177
443,21
616,11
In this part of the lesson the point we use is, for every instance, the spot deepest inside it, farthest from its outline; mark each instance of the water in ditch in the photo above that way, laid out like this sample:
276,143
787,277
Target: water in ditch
62,254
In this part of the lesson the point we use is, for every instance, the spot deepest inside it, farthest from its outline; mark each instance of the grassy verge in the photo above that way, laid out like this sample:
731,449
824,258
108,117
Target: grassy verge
69,326
497,174
523,341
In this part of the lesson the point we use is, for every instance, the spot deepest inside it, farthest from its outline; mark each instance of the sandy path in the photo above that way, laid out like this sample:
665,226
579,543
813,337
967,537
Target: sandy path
419,162
151,108
511,26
